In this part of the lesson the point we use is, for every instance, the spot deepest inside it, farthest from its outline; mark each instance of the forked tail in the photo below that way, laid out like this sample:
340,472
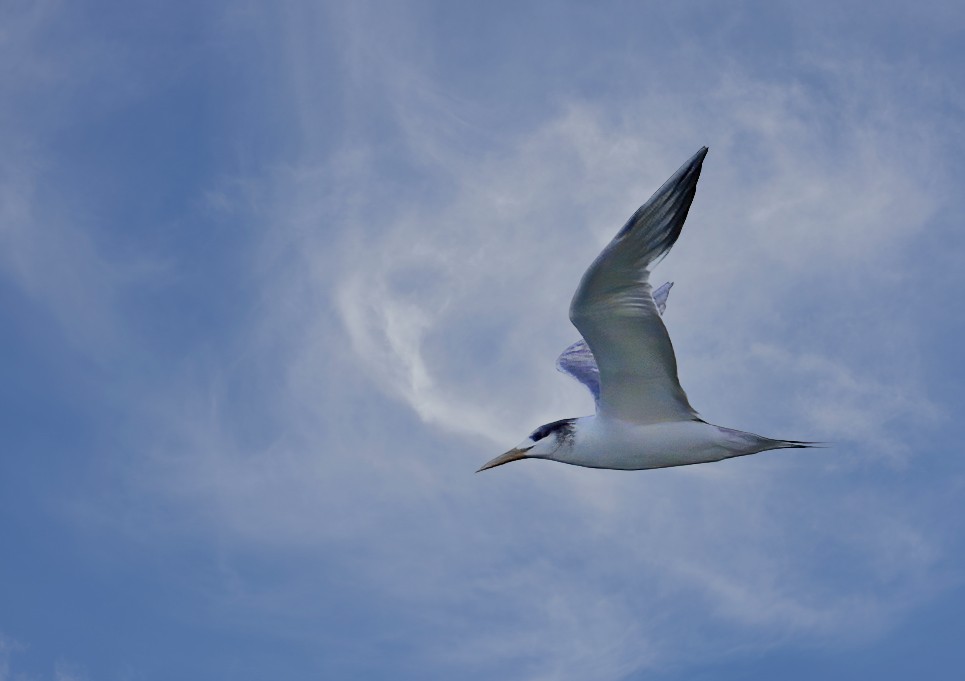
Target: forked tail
789,444
749,443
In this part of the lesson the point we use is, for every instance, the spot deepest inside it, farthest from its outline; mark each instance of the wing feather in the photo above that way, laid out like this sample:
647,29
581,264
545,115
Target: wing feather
615,311
577,360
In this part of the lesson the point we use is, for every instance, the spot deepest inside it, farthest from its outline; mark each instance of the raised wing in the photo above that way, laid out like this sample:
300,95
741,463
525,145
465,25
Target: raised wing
660,296
615,311
577,360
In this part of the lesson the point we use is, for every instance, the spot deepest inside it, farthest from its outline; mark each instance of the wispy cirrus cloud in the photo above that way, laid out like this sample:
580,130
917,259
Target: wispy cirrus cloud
413,257
54,244
11,648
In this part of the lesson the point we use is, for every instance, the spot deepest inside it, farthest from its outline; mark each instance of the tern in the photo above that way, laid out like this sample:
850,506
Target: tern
643,419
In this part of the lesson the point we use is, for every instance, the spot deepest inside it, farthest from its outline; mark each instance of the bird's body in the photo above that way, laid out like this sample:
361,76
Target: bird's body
595,442
643,418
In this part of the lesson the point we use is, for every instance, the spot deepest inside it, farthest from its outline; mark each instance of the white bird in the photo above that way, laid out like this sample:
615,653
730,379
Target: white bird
643,419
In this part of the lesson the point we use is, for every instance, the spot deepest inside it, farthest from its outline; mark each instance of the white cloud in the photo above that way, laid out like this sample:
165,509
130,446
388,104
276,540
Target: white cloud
10,647
64,672
7,646
51,240
53,262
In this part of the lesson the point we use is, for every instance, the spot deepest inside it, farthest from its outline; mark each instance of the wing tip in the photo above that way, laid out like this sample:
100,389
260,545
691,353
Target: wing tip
678,192
697,159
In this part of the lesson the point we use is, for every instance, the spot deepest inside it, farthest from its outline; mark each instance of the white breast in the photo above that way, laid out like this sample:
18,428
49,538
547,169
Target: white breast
609,443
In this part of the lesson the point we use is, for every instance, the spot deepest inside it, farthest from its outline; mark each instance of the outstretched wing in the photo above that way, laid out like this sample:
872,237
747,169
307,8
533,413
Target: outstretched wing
615,311
577,360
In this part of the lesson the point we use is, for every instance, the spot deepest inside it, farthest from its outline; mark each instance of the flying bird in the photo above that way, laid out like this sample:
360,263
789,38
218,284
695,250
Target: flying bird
643,418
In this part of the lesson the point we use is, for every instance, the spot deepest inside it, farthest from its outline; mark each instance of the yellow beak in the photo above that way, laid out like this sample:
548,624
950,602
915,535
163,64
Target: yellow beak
514,454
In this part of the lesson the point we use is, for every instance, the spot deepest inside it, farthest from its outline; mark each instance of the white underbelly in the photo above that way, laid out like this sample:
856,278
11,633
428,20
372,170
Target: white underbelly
619,445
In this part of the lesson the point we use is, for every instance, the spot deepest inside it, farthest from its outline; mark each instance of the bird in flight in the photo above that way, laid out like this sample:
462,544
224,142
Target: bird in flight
643,418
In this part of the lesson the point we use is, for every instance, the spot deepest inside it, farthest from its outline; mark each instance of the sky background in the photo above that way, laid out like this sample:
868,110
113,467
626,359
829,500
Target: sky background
277,278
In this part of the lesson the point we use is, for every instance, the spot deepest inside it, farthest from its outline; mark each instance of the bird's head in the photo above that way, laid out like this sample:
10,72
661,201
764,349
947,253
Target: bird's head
542,443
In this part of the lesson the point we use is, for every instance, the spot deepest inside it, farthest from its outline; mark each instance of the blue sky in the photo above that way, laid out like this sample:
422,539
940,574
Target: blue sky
276,278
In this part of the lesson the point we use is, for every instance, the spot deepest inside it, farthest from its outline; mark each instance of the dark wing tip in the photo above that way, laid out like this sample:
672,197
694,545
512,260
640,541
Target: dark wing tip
659,221
692,165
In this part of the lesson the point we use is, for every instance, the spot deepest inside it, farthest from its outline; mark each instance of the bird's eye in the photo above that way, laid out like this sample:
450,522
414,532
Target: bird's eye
545,430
